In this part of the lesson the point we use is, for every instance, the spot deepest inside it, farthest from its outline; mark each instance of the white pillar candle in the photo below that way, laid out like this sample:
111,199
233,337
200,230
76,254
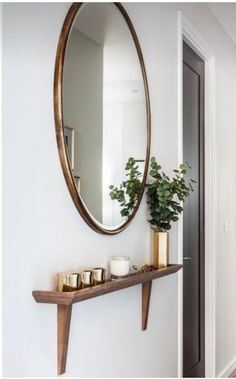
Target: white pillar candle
119,266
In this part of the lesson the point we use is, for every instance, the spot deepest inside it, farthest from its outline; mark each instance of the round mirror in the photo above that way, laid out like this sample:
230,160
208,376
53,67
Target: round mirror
102,112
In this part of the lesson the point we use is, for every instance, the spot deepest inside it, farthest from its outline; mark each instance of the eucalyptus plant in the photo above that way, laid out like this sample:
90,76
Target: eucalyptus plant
165,196
127,193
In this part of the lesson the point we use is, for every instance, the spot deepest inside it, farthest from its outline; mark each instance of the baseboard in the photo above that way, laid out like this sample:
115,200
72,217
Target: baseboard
228,370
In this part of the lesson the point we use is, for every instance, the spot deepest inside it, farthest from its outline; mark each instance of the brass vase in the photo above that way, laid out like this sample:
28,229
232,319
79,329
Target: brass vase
160,248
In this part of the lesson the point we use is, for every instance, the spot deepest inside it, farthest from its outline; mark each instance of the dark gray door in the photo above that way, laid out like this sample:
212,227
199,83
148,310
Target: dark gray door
193,216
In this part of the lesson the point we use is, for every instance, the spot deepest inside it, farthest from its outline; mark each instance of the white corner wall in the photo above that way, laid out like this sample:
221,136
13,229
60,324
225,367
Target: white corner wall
44,234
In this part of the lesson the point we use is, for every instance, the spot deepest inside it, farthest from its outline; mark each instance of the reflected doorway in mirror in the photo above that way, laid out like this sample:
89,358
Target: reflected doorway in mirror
77,182
69,135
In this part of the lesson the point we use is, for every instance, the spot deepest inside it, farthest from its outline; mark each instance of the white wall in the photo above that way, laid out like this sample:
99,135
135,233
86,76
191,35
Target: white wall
44,234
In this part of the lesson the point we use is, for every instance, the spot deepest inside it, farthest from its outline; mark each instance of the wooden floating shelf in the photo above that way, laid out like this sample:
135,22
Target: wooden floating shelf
65,300
68,298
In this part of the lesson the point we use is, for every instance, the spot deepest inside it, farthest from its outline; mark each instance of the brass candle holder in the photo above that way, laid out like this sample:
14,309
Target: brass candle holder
99,275
73,281
87,278
68,281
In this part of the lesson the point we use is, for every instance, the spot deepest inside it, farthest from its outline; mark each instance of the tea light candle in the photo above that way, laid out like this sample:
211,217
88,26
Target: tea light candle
119,266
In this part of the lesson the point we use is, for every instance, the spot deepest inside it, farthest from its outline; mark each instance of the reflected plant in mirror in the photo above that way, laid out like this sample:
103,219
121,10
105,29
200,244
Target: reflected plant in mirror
127,193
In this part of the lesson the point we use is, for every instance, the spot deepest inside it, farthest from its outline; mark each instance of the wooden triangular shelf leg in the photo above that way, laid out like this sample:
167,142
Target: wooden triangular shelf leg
63,330
146,293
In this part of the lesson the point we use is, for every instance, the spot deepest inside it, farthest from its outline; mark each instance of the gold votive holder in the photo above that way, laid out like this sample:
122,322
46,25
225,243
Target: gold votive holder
99,275
68,281
87,278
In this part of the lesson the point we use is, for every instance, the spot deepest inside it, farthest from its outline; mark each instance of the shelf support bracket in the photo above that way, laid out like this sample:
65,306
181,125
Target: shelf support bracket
63,330
146,293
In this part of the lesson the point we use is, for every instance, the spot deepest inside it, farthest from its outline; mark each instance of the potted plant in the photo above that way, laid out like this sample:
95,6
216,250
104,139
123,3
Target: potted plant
165,198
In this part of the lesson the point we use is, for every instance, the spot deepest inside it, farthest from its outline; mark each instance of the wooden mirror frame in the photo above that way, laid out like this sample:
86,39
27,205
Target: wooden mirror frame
58,114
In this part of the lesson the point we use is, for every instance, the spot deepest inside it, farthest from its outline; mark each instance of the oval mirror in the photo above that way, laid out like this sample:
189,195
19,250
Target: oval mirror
102,111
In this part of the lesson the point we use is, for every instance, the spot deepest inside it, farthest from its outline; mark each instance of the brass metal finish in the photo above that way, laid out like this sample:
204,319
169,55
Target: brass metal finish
99,275
86,278
160,249
68,281
58,114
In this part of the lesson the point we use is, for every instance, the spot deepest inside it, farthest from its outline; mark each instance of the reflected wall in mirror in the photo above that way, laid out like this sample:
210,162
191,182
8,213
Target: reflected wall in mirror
101,108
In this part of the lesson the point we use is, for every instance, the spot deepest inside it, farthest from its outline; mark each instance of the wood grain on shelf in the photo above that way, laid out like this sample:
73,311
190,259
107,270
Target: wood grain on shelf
68,298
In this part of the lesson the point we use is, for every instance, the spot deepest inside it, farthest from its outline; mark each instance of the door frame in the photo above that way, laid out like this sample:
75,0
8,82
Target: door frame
188,33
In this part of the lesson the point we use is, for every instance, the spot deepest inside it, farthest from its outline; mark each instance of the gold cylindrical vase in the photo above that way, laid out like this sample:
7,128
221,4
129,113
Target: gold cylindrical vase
160,241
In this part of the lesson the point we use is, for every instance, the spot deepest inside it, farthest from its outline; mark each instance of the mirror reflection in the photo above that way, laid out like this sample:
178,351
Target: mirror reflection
104,107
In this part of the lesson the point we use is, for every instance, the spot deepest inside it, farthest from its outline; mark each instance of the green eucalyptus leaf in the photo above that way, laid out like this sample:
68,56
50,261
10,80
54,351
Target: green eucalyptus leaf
167,193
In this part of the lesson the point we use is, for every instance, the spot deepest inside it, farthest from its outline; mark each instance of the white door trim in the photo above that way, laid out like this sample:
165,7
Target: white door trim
188,33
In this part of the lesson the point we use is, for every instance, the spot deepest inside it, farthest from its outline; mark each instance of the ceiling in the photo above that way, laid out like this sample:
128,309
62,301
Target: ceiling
226,15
